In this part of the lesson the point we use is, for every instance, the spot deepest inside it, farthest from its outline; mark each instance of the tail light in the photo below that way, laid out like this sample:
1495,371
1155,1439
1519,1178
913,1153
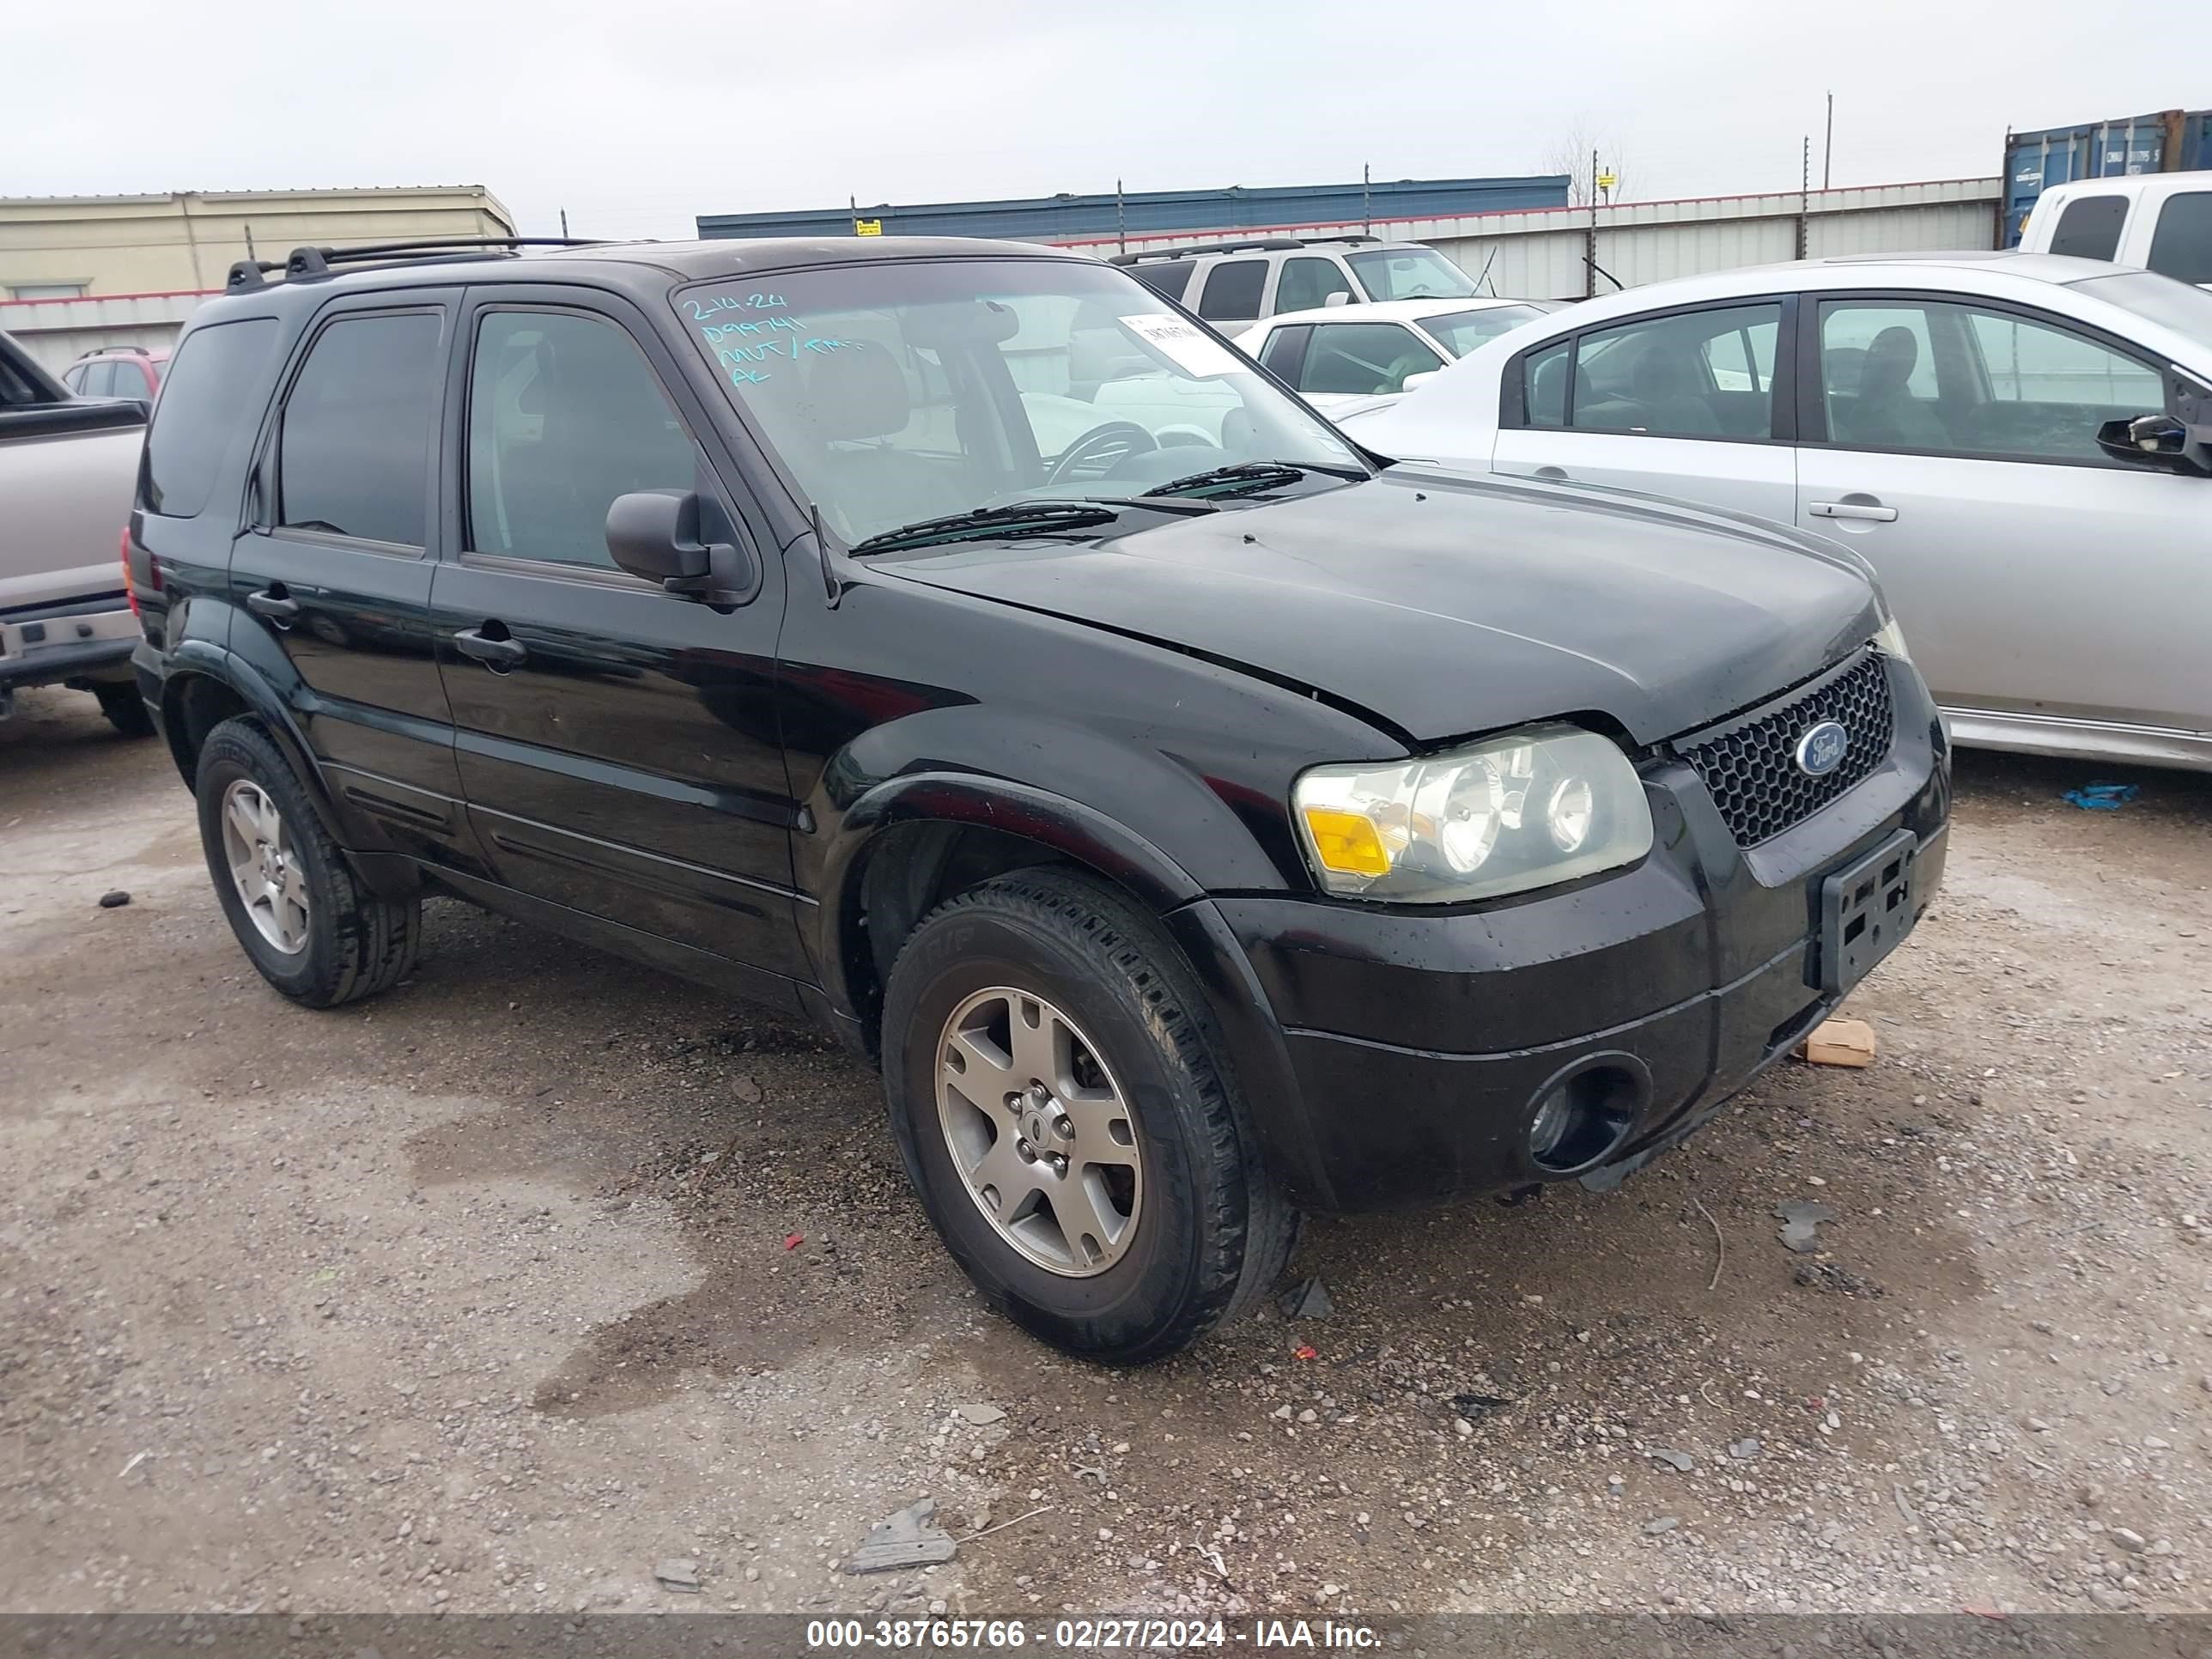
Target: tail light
130,588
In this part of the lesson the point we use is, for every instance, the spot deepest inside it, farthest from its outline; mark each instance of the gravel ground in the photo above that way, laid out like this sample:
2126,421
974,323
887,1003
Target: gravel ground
484,1295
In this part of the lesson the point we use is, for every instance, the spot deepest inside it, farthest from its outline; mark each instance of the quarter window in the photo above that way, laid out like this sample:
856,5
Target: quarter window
203,405
354,450
1945,378
1166,276
1232,290
565,414
1364,358
1544,384
2089,228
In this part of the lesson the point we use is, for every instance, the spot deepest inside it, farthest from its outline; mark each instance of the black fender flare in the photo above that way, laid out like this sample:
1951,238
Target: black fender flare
388,873
1067,827
1248,1027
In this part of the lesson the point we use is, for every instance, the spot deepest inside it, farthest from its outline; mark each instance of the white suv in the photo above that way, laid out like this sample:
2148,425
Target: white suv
1232,284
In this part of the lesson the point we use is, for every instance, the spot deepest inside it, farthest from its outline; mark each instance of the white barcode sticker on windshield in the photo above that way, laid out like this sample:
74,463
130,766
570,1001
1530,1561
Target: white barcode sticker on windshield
1190,348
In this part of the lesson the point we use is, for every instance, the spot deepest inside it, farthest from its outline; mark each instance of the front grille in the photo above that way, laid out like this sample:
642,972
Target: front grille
1749,764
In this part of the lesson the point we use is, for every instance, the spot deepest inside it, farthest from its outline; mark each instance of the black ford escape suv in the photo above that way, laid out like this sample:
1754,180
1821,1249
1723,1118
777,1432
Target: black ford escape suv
1198,820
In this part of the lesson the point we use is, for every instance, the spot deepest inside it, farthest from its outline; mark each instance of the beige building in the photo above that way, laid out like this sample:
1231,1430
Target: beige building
80,271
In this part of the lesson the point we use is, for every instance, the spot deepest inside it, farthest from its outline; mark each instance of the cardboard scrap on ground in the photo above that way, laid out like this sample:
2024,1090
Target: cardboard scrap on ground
1839,1043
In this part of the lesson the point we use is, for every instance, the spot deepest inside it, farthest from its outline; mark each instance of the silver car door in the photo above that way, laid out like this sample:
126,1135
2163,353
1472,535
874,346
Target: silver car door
1682,402
2037,580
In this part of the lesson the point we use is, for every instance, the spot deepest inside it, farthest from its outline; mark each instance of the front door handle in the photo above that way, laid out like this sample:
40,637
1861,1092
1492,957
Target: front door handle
1851,510
500,654
274,603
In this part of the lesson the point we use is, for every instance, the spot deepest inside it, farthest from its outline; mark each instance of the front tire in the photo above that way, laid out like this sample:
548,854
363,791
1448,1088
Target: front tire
314,930
1056,1092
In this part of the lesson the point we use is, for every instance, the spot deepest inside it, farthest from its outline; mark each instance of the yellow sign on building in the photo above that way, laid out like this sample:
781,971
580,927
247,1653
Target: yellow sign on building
868,227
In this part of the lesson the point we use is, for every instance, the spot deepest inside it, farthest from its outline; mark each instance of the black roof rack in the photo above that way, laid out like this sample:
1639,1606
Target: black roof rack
1263,245
306,264
128,350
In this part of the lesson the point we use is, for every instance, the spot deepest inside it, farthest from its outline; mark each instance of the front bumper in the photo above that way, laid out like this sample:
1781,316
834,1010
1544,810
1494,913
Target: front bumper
1413,1047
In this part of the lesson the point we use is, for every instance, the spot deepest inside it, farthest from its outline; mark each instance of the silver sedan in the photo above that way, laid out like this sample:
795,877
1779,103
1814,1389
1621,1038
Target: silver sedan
2021,445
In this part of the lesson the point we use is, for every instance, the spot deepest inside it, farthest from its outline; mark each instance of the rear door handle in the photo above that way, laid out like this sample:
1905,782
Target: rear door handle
498,653
1550,474
274,603
1850,510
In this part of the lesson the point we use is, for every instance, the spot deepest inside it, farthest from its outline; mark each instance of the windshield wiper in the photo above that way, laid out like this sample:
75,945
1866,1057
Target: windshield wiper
1243,477
1046,518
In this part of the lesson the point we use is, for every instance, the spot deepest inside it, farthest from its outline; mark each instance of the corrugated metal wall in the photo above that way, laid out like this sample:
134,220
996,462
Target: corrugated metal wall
1542,255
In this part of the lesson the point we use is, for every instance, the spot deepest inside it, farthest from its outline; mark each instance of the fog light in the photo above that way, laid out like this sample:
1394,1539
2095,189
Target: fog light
1581,1119
1554,1119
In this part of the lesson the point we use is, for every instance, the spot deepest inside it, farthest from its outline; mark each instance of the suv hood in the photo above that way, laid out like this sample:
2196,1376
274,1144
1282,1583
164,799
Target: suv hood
1443,605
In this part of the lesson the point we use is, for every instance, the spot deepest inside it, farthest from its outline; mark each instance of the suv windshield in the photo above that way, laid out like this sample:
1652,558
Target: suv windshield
1459,331
1410,273
900,390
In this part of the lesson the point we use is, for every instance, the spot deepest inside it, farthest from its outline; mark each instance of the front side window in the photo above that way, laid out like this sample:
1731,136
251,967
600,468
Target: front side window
353,455
1695,374
2089,228
1461,331
1409,273
1232,290
1306,283
896,390
201,407
1945,378
1364,358
565,414
2181,246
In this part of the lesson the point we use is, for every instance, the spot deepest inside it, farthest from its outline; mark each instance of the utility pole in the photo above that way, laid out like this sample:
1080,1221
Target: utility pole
1121,220
564,224
1828,146
1366,202
1589,237
1804,197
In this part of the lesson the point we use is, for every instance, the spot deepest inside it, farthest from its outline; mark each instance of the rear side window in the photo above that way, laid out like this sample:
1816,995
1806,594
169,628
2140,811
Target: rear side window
2181,247
203,406
353,454
1169,277
1544,384
2090,228
1232,290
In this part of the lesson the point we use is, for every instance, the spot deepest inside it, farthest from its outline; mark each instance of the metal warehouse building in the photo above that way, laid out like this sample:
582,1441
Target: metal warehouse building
1110,215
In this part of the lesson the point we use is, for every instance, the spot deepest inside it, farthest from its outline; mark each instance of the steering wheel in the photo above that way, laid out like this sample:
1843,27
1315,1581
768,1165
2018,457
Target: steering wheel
1112,442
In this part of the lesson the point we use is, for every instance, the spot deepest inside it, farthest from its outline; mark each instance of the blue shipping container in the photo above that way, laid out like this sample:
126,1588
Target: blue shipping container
1100,216
2172,140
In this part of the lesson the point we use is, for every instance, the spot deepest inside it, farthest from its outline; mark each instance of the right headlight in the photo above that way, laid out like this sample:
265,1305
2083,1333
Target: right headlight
1532,808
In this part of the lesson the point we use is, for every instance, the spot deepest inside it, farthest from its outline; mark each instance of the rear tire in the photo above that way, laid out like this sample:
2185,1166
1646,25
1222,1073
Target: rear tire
314,930
125,710
1192,1230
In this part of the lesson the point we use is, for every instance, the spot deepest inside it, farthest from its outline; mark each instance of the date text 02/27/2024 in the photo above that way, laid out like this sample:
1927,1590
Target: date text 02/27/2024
1085,1635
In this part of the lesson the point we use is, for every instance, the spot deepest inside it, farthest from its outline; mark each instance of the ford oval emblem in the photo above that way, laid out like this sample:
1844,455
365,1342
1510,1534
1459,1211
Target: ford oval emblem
1820,750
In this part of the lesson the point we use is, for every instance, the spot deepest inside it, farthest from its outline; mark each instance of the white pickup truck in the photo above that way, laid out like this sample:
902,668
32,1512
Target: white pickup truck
68,467
2161,221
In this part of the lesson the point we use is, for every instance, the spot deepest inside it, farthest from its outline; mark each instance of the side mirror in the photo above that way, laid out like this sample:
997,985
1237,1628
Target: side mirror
1338,297
2157,440
684,541
1420,379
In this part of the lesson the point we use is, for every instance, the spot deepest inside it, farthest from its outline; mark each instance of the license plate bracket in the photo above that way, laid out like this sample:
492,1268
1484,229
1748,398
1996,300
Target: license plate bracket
1866,910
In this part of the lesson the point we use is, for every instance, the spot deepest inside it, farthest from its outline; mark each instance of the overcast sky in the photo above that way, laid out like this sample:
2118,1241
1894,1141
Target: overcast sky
637,116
